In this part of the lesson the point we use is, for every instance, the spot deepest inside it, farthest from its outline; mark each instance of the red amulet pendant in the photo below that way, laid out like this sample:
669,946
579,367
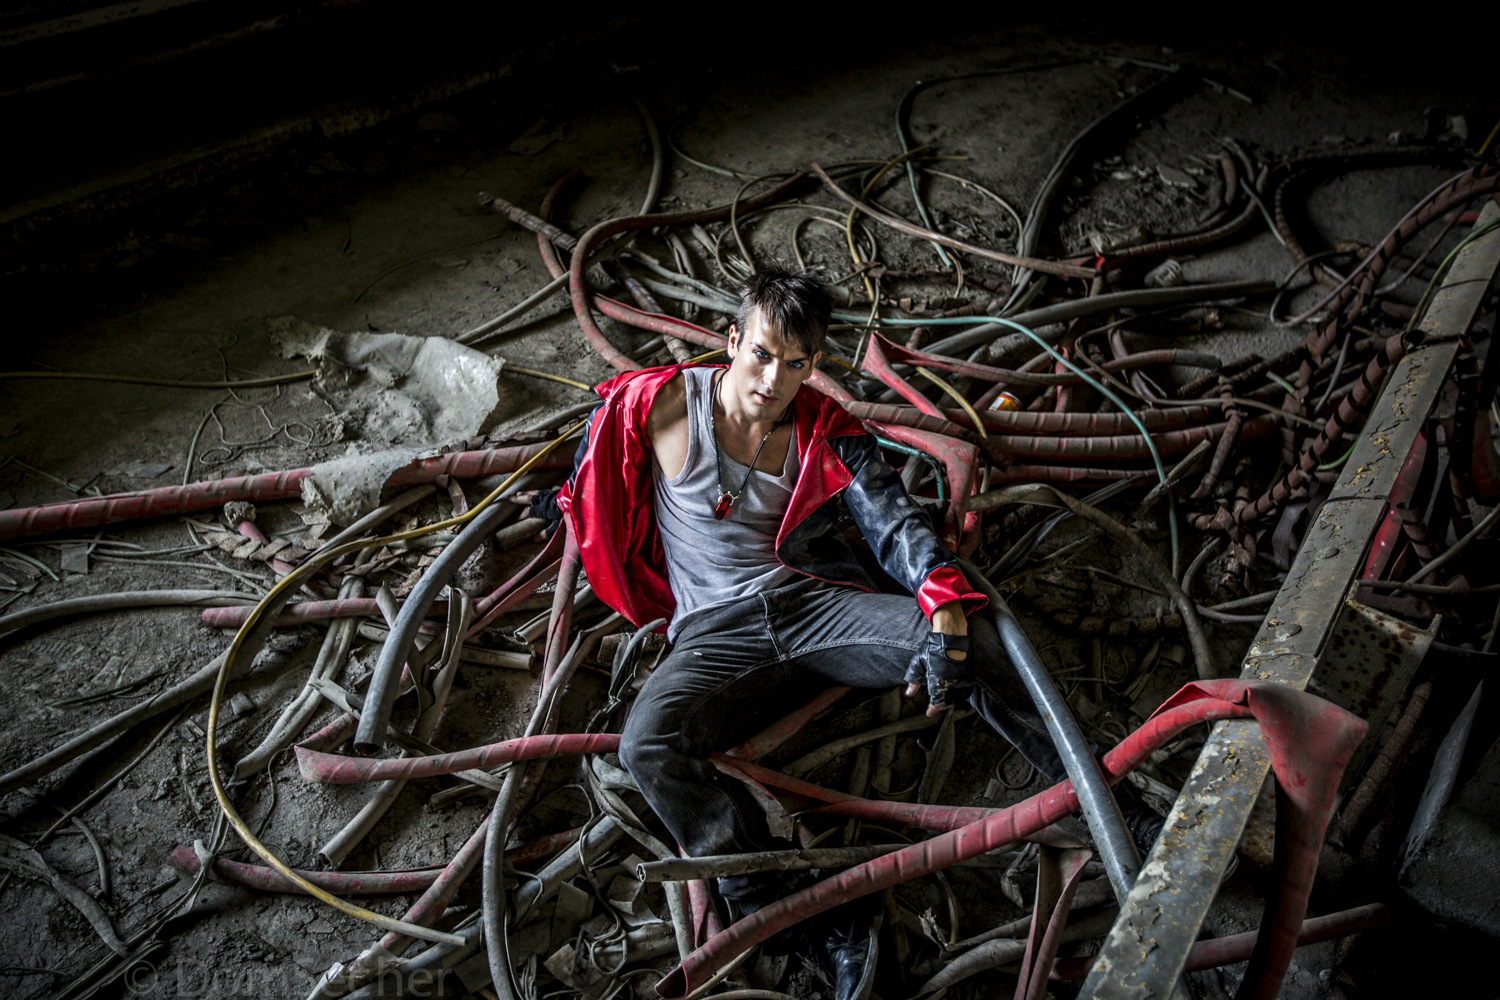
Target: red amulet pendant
721,509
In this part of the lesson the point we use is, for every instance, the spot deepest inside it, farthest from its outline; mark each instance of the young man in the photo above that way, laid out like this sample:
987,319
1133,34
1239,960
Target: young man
708,496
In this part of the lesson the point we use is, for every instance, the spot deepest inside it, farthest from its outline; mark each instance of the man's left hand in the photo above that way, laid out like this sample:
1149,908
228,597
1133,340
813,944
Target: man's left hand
942,661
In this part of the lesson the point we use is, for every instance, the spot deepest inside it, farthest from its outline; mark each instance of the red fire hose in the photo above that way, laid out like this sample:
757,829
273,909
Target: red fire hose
96,511
1309,740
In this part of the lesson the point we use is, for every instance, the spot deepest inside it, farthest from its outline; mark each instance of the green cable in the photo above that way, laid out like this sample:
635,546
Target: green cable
1161,470
1338,462
1282,382
908,450
1442,269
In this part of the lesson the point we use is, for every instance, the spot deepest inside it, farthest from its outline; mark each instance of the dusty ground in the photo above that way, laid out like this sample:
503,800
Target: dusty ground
383,234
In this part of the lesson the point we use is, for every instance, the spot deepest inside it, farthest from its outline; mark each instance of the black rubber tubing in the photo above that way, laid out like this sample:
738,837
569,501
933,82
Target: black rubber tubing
1073,308
369,738
1122,862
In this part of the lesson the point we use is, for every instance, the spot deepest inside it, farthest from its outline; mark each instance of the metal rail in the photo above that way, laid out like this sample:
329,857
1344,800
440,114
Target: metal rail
1146,950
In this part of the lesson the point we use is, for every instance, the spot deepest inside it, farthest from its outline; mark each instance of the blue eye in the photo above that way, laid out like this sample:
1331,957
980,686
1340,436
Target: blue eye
795,364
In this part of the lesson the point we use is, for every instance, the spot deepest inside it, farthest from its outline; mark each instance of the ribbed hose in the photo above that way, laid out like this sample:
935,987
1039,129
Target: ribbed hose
1352,411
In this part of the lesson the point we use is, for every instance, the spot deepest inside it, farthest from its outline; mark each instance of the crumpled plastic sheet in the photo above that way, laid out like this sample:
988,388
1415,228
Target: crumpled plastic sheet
400,397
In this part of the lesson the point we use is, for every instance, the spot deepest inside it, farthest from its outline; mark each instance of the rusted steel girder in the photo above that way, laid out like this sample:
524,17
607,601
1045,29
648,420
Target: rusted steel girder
1146,950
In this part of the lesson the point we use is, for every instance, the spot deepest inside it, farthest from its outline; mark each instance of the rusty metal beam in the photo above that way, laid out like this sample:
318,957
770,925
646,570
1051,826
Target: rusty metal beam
1145,951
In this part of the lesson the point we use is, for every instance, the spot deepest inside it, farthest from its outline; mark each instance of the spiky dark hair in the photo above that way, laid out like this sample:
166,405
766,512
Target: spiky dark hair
795,304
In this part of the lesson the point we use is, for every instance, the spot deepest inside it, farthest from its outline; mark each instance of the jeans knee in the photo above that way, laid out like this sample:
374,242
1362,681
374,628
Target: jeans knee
635,751
646,747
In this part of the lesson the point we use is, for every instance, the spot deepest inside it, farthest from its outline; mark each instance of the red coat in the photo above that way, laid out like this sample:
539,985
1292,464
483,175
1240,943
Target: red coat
609,504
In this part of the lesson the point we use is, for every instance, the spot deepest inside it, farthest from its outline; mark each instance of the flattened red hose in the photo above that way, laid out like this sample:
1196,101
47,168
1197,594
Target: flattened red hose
561,617
958,458
308,611
1123,447
1003,827
877,363
333,769
269,880
788,725
1088,424
514,592
956,423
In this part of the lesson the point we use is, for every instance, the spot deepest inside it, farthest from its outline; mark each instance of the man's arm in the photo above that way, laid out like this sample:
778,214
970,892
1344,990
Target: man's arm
668,410
543,503
907,548
950,619
900,534
667,426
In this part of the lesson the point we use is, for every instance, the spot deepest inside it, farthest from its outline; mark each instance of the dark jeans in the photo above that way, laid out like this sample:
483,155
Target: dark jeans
736,668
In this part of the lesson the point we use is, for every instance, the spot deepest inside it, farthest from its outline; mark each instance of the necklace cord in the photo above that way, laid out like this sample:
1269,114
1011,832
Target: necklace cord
725,500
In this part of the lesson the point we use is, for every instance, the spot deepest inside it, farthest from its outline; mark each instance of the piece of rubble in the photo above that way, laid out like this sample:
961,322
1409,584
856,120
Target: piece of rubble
1175,177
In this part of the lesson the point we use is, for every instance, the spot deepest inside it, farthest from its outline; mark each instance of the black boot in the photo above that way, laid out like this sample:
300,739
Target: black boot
847,947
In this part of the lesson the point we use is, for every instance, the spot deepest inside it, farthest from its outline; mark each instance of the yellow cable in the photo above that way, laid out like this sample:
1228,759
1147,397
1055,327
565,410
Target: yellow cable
1489,138
287,582
958,397
854,212
249,383
854,255
547,375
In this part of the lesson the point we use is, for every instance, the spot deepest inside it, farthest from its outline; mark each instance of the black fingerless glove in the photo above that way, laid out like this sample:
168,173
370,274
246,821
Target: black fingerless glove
948,681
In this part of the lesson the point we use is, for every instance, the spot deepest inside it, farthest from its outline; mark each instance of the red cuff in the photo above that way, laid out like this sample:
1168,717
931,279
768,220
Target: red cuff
944,584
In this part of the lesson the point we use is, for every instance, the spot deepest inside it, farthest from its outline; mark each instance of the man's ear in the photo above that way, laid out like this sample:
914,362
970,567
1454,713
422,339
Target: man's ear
734,341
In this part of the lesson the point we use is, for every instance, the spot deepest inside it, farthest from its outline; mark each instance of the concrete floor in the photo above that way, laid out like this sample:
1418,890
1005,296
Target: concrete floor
380,231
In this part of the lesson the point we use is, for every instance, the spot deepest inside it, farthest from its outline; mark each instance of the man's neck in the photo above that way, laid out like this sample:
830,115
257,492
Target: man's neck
738,421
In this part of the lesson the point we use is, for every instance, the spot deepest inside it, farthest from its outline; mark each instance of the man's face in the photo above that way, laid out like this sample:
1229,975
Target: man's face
765,370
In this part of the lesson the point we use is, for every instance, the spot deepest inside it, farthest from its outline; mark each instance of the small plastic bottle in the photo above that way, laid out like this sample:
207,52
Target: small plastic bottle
1005,401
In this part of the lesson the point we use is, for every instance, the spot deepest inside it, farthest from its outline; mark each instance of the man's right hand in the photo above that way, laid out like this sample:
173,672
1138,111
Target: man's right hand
948,680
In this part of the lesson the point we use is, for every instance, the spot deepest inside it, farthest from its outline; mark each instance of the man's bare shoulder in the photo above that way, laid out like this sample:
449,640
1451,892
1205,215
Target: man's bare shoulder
669,408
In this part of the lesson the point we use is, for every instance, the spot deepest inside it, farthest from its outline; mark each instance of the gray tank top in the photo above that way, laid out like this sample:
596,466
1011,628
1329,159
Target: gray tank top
711,563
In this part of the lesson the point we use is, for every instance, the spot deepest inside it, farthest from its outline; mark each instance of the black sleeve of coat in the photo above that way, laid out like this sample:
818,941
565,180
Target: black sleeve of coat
900,533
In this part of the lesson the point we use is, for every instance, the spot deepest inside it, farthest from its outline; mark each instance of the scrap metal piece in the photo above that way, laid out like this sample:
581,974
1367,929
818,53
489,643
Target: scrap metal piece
1369,662
1443,778
1439,873
1147,948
